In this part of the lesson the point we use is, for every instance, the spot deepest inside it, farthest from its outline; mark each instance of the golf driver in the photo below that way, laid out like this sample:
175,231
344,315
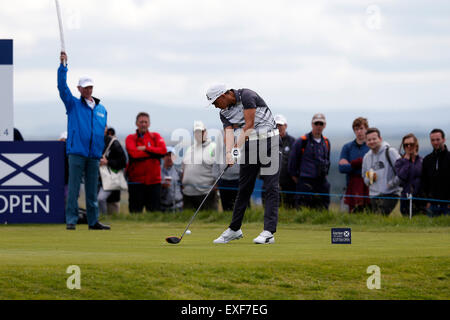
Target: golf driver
175,240
61,30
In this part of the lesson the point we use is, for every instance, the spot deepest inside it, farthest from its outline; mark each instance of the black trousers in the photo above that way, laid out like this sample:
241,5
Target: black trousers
309,186
384,206
193,202
144,195
288,196
228,193
259,155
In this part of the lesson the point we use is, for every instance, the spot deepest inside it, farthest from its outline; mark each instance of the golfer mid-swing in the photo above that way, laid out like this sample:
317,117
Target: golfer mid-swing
258,142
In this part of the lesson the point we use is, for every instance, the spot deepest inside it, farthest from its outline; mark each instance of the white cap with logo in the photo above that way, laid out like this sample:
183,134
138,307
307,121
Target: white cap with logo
280,119
215,92
85,82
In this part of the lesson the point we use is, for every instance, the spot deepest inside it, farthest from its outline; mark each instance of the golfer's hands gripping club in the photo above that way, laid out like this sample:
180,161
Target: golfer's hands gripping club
63,58
233,157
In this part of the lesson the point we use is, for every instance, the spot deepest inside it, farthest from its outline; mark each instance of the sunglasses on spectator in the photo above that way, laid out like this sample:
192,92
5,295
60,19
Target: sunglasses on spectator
318,123
407,145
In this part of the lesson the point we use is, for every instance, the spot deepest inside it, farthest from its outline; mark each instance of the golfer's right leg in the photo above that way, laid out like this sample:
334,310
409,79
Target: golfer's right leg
76,169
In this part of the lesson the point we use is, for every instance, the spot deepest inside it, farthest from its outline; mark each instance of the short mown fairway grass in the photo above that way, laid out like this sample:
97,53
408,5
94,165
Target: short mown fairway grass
133,261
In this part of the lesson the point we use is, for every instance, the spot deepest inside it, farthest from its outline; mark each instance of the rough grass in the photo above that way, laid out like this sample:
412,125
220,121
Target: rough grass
132,261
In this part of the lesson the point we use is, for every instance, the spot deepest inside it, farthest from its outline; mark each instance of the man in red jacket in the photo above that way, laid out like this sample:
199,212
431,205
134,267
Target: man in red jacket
145,149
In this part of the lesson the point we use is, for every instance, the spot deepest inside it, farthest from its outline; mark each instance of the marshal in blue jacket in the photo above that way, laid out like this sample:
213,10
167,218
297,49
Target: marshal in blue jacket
85,126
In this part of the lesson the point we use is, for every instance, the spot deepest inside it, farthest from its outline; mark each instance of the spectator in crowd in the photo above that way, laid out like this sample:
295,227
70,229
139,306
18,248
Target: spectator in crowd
409,170
350,163
111,132
379,174
115,159
171,196
145,150
436,175
309,163
287,184
87,120
17,135
200,171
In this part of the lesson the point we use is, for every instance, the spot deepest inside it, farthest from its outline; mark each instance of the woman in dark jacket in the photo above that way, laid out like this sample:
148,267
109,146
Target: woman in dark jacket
409,169
115,158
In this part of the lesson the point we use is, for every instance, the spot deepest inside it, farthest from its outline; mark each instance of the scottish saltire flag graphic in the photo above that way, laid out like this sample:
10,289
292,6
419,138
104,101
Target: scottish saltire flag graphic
24,169
6,90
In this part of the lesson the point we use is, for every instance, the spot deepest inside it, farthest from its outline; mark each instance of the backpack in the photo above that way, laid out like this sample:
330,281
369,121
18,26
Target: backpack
305,141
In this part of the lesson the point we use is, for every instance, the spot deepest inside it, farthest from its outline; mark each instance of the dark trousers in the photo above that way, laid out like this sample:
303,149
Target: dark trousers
313,185
418,207
194,202
144,195
228,190
269,162
384,206
438,209
288,194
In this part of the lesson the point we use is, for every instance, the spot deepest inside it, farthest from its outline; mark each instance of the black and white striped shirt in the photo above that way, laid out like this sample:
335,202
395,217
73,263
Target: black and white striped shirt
248,99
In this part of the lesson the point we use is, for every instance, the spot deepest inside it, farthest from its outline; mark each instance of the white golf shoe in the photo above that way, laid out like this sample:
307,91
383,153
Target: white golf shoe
229,235
265,237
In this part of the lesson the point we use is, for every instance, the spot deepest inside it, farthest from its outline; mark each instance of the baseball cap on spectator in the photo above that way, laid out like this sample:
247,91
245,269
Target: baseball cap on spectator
63,135
280,119
85,82
170,150
319,117
198,125
215,92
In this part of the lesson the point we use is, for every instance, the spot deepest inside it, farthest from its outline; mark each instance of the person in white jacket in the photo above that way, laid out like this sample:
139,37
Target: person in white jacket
378,171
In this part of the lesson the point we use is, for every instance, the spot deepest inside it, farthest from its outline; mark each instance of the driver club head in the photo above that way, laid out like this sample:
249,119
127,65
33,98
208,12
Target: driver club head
173,240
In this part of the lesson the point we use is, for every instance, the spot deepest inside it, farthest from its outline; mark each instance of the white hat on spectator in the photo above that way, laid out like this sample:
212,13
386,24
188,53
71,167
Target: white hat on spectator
198,125
280,119
85,82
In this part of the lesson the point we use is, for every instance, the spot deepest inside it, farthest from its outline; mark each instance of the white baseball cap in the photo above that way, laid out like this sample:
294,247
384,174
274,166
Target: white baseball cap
198,125
215,92
280,119
170,150
85,82
63,135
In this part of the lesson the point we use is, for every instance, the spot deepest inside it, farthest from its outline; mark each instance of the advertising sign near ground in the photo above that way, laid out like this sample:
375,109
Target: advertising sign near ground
32,182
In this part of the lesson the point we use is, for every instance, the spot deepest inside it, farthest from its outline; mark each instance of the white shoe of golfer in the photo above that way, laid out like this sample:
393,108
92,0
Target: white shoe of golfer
265,237
229,235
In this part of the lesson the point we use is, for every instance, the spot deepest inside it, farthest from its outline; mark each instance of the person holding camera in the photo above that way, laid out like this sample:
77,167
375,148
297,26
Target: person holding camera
409,170
309,163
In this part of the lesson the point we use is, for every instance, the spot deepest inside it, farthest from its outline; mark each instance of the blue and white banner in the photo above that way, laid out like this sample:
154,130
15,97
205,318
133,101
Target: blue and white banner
32,182
6,91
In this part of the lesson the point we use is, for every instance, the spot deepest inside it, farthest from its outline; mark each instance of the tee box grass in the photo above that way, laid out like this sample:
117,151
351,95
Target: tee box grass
133,261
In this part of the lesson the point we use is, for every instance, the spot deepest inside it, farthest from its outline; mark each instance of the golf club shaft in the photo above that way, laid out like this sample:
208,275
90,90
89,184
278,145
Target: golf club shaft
198,209
61,30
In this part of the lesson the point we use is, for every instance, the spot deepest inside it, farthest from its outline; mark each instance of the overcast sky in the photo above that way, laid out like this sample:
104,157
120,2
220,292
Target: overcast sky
300,56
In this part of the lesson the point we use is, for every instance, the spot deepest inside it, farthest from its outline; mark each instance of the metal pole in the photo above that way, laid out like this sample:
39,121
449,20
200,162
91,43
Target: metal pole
410,205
